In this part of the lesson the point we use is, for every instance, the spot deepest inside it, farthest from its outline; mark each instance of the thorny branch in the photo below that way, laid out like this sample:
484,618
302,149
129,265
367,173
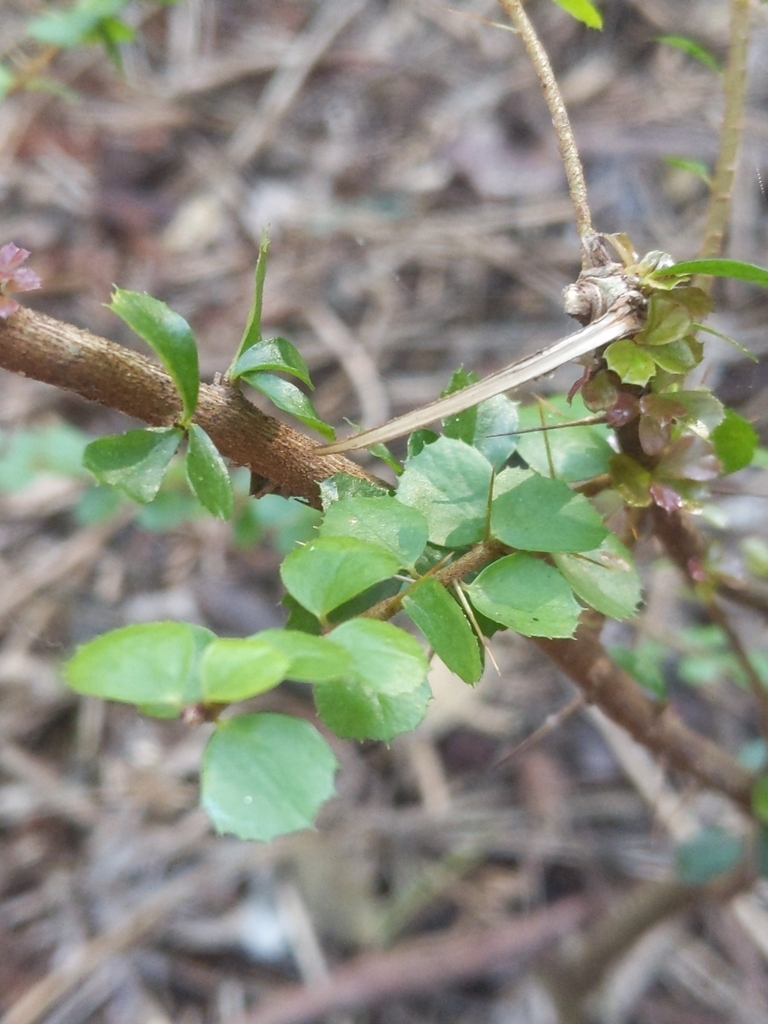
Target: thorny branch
37,346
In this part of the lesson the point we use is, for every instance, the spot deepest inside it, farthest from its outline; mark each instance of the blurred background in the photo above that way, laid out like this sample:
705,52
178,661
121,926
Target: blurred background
402,157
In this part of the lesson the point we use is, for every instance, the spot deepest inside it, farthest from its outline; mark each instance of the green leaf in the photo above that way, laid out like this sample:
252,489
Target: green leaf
644,663
449,483
707,855
381,451
331,570
735,442
286,396
313,659
381,520
667,321
582,10
697,167
265,775
527,595
631,480
606,578
705,411
70,28
676,357
154,663
168,335
693,49
275,354
542,514
135,462
7,80
489,426
232,670
252,333
718,268
761,851
385,693
359,712
633,364
208,475
342,485
760,799
446,628
384,657
28,452
577,453
289,521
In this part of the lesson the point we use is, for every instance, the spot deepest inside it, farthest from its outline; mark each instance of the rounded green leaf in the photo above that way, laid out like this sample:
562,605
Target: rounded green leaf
632,363
383,657
169,335
330,570
313,659
735,441
134,462
446,628
363,713
286,396
527,595
582,10
273,354
575,453
449,483
542,514
208,475
382,520
232,670
707,855
154,663
265,775
606,578
677,356
489,426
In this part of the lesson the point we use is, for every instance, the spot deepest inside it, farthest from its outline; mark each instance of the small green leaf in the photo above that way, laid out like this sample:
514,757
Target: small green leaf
232,670
384,656
265,775
677,357
710,853
386,692
735,441
446,628
313,659
577,453
760,799
170,337
286,396
135,462
692,48
542,514
363,713
274,354
154,663
252,333
331,570
489,426
633,364
645,663
667,321
381,451
606,579
342,485
381,520
697,167
718,268
582,10
208,475
449,483
7,80
527,595
70,28
631,480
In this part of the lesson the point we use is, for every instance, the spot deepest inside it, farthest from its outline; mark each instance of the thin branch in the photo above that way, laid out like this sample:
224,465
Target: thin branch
37,346
735,90
566,142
